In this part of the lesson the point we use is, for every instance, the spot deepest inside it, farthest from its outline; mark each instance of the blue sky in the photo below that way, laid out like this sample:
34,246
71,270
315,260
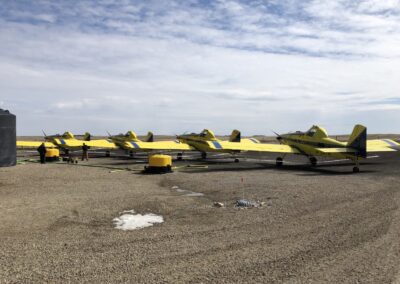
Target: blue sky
176,66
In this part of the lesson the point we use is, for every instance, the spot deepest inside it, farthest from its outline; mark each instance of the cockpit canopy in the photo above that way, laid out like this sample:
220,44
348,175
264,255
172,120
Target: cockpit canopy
68,135
317,132
131,135
208,134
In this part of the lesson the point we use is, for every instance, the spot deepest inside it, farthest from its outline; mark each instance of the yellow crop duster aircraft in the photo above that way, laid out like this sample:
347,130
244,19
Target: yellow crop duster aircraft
65,141
132,143
206,141
314,142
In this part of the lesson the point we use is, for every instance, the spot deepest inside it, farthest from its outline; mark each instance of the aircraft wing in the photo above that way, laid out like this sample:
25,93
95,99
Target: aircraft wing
159,145
382,145
252,147
33,144
101,144
375,145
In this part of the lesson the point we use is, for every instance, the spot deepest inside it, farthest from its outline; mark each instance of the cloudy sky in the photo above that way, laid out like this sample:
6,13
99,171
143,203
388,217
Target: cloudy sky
175,66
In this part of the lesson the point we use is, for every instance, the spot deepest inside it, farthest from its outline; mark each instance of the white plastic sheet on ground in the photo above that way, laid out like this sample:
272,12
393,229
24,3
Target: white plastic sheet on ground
131,221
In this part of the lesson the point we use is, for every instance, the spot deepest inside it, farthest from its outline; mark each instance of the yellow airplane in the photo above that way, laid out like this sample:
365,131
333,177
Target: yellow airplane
206,141
314,142
65,141
132,143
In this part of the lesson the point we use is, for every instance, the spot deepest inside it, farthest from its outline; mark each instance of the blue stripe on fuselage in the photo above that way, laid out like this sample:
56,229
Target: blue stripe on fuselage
217,145
62,141
136,146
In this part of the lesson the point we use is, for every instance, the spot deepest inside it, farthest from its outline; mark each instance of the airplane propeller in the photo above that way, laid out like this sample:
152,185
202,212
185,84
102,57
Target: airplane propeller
278,136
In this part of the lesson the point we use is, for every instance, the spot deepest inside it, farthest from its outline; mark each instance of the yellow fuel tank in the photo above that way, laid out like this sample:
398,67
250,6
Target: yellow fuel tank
159,164
160,161
52,154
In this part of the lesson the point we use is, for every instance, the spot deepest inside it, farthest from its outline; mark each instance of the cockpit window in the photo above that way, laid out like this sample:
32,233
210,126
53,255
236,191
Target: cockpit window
311,132
203,134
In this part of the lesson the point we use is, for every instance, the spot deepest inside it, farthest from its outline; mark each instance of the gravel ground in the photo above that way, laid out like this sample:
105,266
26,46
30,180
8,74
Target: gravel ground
317,225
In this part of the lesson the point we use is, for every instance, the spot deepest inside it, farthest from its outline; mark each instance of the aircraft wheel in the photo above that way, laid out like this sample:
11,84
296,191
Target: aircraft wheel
179,156
279,161
356,170
131,154
236,160
203,155
107,153
313,161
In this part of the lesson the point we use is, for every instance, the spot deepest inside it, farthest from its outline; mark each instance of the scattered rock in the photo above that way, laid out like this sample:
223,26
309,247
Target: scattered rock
219,204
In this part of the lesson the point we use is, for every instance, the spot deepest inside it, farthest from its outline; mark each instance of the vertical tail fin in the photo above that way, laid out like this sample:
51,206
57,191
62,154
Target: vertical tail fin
358,140
149,137
235,136
87,136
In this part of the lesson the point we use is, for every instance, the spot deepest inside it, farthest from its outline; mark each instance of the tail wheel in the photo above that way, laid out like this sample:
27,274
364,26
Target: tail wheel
279,161
356,170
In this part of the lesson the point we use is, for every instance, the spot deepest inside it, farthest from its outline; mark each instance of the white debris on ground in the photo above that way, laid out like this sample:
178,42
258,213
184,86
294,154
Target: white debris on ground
187,192
131,221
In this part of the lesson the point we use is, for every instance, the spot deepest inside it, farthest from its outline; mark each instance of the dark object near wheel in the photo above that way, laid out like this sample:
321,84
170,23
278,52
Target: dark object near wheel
8,139
313,161
356,170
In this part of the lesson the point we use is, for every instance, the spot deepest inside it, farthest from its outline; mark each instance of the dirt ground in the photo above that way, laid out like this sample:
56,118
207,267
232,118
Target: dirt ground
317,225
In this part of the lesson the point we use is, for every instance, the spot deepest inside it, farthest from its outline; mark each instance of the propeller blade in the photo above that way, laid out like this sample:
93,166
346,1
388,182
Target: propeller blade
277,134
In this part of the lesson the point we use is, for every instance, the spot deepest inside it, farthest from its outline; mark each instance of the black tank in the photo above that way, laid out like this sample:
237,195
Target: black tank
8,139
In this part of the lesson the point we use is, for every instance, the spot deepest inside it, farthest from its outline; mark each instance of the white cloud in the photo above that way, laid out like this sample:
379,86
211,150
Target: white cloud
176,67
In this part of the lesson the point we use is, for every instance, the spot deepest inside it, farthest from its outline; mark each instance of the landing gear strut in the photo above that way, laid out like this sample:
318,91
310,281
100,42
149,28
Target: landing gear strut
356,169
279,162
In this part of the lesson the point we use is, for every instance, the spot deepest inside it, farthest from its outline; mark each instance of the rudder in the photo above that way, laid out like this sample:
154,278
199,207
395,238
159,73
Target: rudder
358,140
235,136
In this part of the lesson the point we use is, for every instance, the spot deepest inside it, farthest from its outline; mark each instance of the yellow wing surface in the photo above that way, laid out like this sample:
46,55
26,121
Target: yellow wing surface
159,145
376,145
33,144
252,147
382,145
101,144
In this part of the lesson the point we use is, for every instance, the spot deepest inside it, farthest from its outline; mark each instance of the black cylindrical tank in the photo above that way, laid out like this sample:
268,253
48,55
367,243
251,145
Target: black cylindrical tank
8,139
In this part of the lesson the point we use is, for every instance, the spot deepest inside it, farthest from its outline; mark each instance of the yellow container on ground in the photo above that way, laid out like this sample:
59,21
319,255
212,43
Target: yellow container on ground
160,161
52,153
